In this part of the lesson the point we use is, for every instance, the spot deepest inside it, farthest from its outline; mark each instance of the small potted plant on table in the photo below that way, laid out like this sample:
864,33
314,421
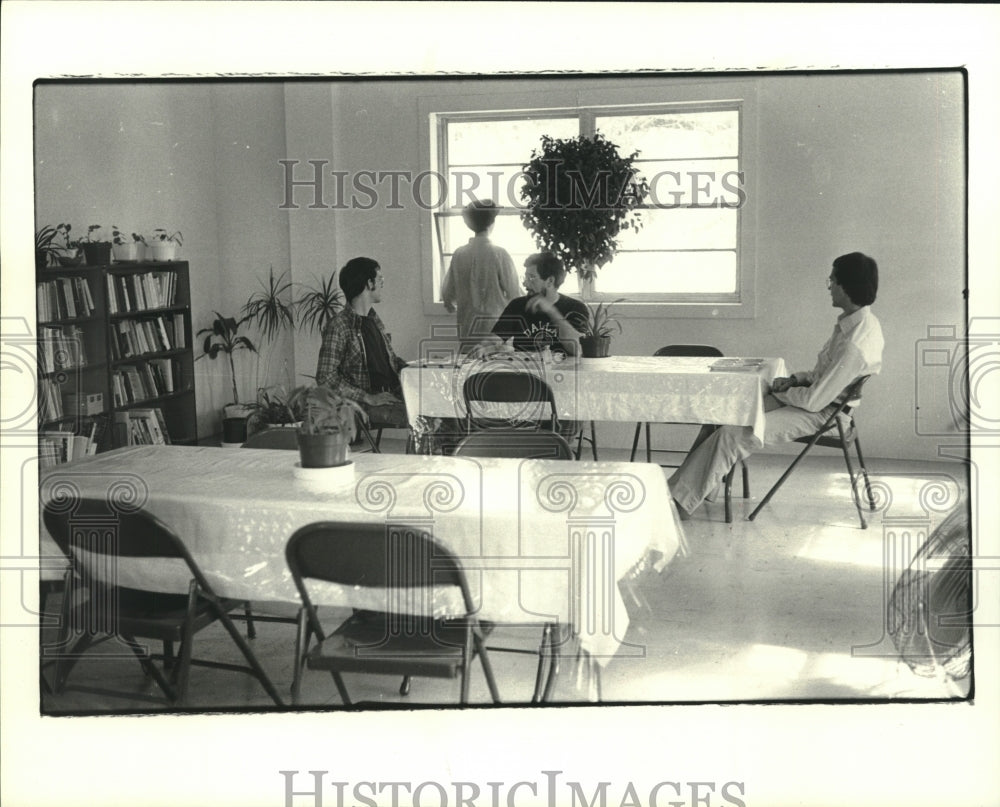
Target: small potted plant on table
327,428
600,325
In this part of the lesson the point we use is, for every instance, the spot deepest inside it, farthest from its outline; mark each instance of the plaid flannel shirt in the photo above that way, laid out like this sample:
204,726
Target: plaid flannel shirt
343,363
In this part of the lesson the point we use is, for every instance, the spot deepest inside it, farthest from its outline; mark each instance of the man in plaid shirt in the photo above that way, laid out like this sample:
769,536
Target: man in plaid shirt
356,358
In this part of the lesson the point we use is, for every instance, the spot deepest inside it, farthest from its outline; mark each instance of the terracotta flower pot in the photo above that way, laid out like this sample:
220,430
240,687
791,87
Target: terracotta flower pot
595,347
323,450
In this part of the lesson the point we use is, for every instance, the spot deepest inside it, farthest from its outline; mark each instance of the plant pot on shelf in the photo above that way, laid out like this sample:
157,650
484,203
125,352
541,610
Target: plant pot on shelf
234,431
124,252
323,450
595,347
97,253
164,250
69,257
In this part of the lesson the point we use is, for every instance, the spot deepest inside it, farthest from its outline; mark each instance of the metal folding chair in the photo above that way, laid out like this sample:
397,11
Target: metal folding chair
408,564
101,543
833,434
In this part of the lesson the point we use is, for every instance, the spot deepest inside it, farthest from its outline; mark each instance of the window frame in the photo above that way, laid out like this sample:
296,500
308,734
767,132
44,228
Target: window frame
585,105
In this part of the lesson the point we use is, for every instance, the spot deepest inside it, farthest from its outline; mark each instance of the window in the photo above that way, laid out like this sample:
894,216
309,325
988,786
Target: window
692,250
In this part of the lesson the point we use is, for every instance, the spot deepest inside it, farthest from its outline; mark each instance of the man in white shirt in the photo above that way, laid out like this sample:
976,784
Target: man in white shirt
797,405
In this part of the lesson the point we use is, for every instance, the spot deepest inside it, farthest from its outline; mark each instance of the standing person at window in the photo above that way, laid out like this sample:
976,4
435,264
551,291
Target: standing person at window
481,279
543,317
356,358
797,405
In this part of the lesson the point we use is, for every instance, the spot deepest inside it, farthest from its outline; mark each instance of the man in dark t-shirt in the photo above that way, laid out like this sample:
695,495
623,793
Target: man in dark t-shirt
543,317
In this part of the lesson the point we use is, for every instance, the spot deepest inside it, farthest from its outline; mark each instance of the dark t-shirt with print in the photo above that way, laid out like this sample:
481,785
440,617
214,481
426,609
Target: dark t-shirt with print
534,330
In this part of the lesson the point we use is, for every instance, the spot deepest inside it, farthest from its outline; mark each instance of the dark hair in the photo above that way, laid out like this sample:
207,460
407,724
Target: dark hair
547,264
356,274
480,215
857,275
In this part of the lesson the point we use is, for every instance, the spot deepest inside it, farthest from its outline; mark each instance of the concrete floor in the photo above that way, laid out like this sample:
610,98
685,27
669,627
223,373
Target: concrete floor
790,607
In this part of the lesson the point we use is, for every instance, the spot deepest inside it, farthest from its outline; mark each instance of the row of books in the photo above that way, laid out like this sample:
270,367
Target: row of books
59,447
49,400
63,298
152,335
60,348
141,292
137,427
148,379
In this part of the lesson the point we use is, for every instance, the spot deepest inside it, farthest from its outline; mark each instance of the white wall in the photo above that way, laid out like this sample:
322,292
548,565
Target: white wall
854,161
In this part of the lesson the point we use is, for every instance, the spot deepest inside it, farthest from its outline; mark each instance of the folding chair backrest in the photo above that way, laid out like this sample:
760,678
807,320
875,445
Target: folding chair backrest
138,534
689,350
372,555
515,443
273,438
506,387
852,394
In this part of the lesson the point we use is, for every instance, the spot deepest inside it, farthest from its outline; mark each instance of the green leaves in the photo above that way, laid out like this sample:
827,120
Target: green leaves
222,337
325,411
579,194
271,309
319,304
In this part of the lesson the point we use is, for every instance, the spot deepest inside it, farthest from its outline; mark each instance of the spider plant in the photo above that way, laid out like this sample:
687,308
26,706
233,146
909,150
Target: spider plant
319,304
271,309
600,321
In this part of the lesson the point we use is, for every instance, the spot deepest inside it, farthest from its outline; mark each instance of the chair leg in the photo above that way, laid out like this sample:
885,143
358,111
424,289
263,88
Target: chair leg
543,650
404,687
251,659
855,496
248,613
864,470
593,440
782,478
484,659
649,453
378,440
150,669
728,494
368,436
746,480
635,442
341,689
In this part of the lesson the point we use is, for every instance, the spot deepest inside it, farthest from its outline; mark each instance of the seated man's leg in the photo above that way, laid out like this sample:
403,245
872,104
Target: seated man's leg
706,465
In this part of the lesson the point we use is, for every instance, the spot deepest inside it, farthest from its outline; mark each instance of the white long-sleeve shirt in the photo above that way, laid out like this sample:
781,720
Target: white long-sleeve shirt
854,349
480,281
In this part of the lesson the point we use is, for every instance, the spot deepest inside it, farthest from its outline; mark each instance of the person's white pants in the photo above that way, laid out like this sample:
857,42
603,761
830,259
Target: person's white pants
707,465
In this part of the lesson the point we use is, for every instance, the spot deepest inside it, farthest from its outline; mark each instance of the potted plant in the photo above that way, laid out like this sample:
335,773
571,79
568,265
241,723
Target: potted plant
273,407
68,253
600,325
46,250
97,251
127,248
223,338
319,304
327,428
165,245
579,194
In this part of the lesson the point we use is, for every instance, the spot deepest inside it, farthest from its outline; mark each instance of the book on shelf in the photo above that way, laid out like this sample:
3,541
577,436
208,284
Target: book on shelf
60,347
63,298
57,447
141,427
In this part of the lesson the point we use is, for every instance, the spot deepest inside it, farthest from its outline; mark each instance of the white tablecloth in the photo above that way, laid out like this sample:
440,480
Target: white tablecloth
618,388
541,541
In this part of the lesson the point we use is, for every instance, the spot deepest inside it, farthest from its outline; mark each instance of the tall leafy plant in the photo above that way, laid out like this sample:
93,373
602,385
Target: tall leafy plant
223,338
579,194
319,304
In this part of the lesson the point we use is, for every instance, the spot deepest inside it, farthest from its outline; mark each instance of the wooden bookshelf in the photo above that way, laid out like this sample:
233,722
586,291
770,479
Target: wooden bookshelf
122,331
